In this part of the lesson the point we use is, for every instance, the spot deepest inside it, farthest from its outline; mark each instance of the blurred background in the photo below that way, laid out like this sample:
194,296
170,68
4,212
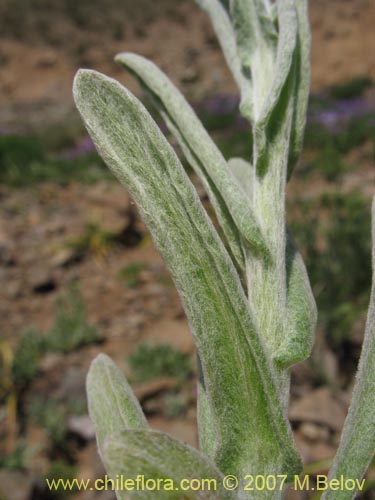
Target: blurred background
80,274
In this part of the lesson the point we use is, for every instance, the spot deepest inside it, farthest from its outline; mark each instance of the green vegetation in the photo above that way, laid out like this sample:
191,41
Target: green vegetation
236,143
351,88
352,135
61,469
150,361
334,240
95,239
26,357
16,460
176,405
329,163
131,273
71,329
50,414
24,161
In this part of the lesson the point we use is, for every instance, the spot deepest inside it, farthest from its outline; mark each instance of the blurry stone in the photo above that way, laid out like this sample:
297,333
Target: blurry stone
154,387
313,452
189,75
14,289
41,281
314,432
16,485
65,257
82,426
51,361
73,384
47,60
319,406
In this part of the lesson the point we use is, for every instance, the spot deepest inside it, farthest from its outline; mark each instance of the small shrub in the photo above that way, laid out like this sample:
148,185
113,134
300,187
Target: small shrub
130,273
331,225
330,164
64,471
24,162
357,131
16,460
95,239
176,405
71,329
26,358
351,88
50,414
18,151
149,361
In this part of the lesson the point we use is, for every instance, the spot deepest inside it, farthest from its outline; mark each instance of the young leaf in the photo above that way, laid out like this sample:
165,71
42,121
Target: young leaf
181,116
218,13
357,445
224,32
270,110
301,311
111,401
243,171
287,40
168,462
225,219
252,431
302,84
256,40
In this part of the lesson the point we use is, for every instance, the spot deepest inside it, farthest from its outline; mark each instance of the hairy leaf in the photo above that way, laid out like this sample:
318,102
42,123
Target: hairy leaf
111,401
157,456
205,157
357,445
244,173
256,40
271,113
224,31
252,431
302,83
232,235
301,311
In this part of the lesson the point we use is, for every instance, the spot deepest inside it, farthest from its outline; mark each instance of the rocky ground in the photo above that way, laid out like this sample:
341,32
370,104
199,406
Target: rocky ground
38,57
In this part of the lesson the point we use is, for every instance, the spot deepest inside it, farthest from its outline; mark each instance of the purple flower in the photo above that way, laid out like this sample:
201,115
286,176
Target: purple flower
341,113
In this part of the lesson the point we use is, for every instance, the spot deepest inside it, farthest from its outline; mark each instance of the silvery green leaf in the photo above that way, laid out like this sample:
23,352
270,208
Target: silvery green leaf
267,284
225,219
256,39
111,401
272,112
224,3
301,311
181,116
224,32
206,422
302,84
357,445
157,456
243,171
252,431
218,12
